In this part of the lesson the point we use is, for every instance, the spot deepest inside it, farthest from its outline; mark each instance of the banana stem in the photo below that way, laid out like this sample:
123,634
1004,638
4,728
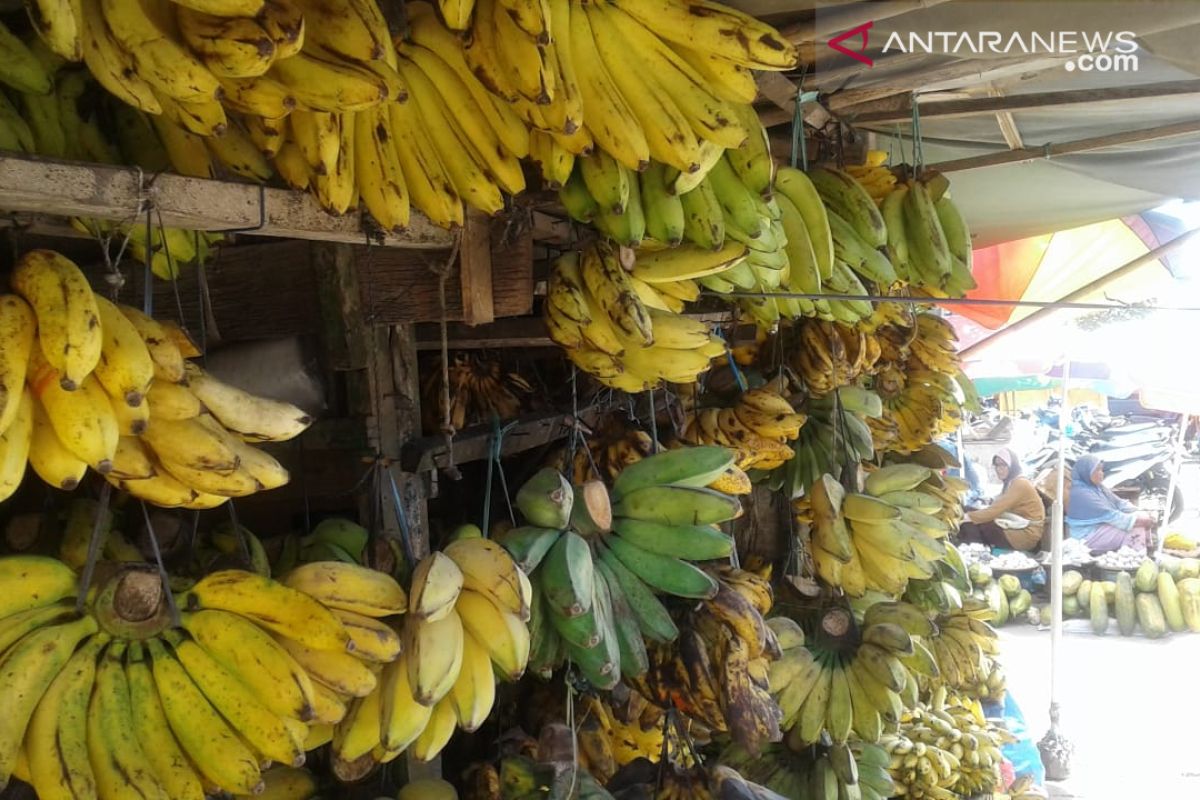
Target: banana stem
591,514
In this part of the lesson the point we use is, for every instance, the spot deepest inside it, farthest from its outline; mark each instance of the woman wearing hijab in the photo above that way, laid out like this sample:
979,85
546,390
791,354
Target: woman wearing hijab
1019,498
1097,516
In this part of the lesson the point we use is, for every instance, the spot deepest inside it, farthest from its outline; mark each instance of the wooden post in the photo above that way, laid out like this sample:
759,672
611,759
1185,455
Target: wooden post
475,270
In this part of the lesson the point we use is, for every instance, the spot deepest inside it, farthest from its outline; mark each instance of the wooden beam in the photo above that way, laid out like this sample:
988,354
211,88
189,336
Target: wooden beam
979,69
475,269
503,333
899,109
44,186
475,443
1008,125
781,91
1067,148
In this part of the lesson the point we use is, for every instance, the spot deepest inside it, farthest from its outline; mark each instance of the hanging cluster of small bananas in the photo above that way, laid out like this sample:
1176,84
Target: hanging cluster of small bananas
58,116
877,540
481,389
717,673
927,239
597,563
117,703
757,427
719,782
610,737
838,772
465,627
87,383
945,749
873,175
964,649
836,435
600,315
829,355
861,689
921,382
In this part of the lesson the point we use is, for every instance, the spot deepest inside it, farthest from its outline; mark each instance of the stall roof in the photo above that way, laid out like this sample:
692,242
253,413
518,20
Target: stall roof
1017,100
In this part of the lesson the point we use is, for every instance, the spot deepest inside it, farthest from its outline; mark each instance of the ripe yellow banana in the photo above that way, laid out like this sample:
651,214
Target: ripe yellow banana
68,319
125,368
231,47
60,25
132,461
144,30
373,640
262,96
326,84
402,718
350,587
50,459
434,652
121,765
474,693
378,172
436,584
153,731
216,750
503,634
18,333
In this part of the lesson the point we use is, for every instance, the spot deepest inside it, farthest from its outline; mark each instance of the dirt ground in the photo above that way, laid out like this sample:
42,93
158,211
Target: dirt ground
1129,706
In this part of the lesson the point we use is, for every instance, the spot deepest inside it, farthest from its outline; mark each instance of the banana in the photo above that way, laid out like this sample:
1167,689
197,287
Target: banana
254,418
436,584
168,360
608,282
15,445
709,116
261,96
83,419
120,763
504,635
337,671
360,731
231,47
724,32
380,176
607,114
210,743
811,719
426,30
144,30
68,320
284,23
567,576
531,73
125,368
19,67
687,262
930,251
434,651
239,154
799,189
474,693
954,226
743,210
731,82
839,715
435,77
677,505
272,605
265,732
669,135
56,741
18,133
26,672
436,735
349,587
664,573
323,83
652,617
488,569
402,718
257,660
50,459
467,175
704,220
429,183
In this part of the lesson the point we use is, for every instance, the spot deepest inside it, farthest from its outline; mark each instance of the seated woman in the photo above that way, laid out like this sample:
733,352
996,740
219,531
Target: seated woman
1097,516
1018,498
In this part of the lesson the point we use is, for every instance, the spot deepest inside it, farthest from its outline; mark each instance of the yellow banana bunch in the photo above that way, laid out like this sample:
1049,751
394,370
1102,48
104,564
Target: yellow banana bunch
480,389
829,354
758,427
115,701
873,175
463,628
620,329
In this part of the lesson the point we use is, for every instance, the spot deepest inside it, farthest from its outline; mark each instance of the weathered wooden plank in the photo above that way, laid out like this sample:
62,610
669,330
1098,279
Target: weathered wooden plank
475,269
29,184
474,443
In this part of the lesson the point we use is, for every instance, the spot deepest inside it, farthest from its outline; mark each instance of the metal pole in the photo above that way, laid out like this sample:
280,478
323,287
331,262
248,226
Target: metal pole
1176,465
1054,748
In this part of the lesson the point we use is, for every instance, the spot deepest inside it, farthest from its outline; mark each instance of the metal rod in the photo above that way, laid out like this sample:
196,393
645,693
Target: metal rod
953,301
1056,534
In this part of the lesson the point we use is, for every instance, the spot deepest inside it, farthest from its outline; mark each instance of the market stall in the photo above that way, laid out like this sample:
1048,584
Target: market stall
479,399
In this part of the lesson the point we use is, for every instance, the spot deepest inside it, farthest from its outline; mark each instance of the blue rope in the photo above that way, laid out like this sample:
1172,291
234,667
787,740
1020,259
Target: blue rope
495,447
402,520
